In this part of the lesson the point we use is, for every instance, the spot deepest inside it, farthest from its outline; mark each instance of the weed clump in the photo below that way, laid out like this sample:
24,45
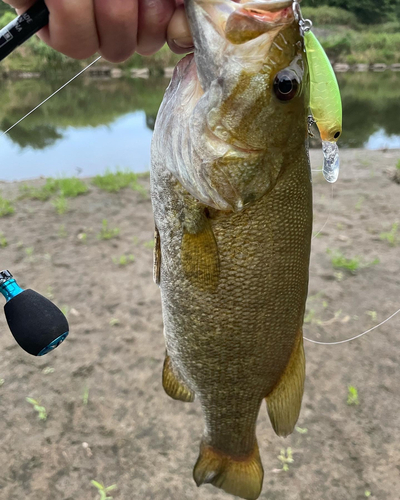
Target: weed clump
106,233
339,261
68,187
115,181
6,207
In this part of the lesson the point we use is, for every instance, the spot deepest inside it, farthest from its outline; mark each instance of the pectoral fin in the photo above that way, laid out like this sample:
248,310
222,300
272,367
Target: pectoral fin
157,257
284,402
200,258
174,387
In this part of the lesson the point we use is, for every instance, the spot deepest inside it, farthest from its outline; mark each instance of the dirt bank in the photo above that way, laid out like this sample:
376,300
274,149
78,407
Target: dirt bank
103,387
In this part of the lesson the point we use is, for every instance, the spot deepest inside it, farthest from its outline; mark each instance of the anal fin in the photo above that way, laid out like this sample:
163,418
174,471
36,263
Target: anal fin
284,402
241,476
174,387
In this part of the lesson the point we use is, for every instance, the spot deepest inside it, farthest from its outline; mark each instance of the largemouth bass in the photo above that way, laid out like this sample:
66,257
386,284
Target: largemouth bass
232,200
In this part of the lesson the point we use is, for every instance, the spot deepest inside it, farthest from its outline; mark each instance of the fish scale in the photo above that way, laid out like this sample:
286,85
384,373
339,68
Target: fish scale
234,281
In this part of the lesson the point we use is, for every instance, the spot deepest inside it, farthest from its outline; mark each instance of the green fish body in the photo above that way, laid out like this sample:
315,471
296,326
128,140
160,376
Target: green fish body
232,200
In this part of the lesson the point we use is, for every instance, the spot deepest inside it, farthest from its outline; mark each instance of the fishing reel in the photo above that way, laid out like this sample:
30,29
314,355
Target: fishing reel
37,324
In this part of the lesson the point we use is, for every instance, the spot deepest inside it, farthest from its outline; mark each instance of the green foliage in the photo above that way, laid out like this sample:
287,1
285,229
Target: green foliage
149,244
321,16
123,260
352,396
398,165
367,11
60,204
391,237
3,241
6,18
115,181
68,187
102,490
286,458
42,193
339,261
41,410
6,207
71,187
85,397
301,430
106,233
62,232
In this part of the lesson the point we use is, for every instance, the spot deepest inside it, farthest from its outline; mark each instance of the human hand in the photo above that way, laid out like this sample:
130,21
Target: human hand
114,28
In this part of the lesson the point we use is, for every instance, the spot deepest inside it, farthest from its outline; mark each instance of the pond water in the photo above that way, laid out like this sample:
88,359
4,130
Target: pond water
94,125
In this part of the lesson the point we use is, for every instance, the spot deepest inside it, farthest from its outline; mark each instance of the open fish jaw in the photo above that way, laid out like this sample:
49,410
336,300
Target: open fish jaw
214,126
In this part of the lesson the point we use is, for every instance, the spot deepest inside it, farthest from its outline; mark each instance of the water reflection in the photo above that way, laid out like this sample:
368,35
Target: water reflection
93,125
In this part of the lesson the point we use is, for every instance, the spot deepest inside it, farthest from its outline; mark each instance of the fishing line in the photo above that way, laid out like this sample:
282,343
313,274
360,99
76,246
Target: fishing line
52,95
360,334
329,213
315,236
357,336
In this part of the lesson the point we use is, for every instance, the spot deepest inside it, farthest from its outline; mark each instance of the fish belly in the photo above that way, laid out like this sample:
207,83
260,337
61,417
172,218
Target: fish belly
231,344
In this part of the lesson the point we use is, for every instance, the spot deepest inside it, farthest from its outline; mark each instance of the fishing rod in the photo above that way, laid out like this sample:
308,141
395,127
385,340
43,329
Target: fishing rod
23,27
36,323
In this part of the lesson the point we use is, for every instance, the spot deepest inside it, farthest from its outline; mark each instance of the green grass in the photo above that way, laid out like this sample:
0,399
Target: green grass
391,237
85,397
3,241
339,261
324,15
103,490
352,396
106,233
60,204
398,165
286,458
41,410
6,207
71,187
123,260
68,187
149,244
41,193
62,232
115,181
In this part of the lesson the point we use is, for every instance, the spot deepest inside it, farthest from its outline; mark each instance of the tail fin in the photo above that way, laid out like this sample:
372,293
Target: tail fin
241,476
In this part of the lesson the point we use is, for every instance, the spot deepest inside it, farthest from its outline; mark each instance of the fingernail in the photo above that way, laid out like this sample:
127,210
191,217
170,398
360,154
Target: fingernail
183,43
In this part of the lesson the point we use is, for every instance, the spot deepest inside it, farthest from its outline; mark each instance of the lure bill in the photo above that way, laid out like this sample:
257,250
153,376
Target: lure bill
325,103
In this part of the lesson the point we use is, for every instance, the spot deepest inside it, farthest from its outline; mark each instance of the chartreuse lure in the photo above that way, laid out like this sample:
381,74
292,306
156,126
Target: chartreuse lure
325,100
325,103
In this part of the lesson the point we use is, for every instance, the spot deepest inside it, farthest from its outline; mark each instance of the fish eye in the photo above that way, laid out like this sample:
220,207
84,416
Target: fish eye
337,135
286,85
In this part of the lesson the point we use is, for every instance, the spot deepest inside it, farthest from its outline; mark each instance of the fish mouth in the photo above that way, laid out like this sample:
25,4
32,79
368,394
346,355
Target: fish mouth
266,5
252,18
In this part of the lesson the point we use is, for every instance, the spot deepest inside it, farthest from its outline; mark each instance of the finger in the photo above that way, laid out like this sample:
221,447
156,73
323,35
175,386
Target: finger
178,33
117,27
22,5
154,17
71,29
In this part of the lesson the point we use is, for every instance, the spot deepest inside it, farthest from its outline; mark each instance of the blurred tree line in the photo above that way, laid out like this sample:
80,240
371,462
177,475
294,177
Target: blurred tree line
366,11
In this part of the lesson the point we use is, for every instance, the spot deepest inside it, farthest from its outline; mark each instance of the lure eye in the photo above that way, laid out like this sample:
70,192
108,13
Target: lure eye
286,85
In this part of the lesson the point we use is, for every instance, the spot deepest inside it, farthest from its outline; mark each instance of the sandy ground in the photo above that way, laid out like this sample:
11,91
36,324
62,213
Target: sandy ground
130,433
